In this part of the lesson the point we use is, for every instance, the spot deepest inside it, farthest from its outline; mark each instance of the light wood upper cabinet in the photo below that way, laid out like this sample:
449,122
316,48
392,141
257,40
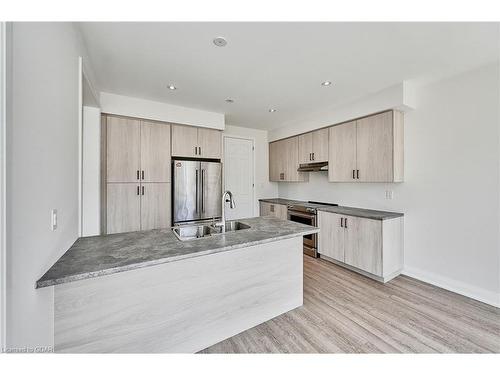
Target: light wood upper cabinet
367,150
155,205
184,141
274,161
313,146
374,152
320,145
155,152
210,143
123,207
284,161
123,149
305,148
190,141
342,152
331,235
363,244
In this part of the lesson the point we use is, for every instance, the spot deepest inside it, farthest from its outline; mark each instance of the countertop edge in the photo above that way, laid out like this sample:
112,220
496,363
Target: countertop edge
93,274
389,216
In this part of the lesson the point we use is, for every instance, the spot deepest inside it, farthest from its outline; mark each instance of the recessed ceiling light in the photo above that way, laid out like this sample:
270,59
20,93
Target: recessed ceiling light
220,41
229,100
172,87
326,83
272,110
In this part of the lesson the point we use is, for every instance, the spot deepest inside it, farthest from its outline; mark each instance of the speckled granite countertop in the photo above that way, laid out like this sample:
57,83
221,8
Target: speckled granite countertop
280,201
342,210
104,255
361,212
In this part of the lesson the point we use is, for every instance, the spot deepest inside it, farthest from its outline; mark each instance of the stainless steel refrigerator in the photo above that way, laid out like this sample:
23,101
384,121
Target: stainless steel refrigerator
197,190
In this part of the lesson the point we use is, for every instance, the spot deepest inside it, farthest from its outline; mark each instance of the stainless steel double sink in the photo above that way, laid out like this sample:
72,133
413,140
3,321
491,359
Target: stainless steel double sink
192,232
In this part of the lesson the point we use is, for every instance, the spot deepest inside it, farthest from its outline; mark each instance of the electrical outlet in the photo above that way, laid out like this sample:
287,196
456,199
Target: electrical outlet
388,194
53,219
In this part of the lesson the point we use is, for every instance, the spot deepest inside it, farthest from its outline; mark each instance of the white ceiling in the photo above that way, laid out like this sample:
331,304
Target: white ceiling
277,65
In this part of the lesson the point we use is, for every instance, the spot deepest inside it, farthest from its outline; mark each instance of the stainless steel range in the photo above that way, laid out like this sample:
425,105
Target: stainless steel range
306,213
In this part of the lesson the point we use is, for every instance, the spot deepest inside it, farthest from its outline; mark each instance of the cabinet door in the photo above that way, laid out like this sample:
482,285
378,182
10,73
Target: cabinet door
289,154
123,208
265,209
374,148
331,235
281,211
363,244
155,152
274,161
184,141
305,148
210,143
320,145
342,152
123,140
155,206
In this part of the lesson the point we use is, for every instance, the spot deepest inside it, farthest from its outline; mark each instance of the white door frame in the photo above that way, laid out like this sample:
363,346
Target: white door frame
224,136
3,196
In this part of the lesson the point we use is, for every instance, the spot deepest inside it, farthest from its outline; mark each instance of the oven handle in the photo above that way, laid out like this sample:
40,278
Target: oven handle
301,214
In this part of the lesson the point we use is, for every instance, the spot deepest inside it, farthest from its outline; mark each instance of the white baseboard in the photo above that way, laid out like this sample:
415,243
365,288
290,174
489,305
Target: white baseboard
482,295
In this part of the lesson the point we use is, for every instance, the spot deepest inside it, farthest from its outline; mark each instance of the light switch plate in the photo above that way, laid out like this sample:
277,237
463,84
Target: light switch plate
53,219
389,194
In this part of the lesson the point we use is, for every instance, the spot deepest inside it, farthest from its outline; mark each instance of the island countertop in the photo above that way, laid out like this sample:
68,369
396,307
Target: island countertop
103,255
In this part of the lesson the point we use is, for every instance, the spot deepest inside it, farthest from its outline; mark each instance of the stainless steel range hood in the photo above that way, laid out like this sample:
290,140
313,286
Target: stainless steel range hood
313,167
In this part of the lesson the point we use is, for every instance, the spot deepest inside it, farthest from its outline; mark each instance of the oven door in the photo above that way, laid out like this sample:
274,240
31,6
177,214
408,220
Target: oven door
308,219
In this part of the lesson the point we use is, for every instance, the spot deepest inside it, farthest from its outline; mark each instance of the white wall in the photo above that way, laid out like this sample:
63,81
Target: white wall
263,187
42,160
400,96
147,109
91,171
450,196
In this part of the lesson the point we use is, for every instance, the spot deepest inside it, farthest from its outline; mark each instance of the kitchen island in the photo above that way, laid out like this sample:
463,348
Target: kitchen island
150,292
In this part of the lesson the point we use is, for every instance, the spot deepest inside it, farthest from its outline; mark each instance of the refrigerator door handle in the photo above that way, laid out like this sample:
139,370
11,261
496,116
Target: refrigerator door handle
196,194
202,190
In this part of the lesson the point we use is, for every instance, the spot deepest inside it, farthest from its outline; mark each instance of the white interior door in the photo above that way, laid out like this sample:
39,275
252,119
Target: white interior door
239,176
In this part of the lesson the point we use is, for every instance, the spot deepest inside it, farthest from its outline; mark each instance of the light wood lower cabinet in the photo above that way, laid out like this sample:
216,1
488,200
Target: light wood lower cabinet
132,207
371,247
155,205
363,244
331,236
271,209
123,207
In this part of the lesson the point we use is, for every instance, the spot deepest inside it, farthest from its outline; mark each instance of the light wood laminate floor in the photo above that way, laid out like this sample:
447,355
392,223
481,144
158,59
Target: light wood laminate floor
344,312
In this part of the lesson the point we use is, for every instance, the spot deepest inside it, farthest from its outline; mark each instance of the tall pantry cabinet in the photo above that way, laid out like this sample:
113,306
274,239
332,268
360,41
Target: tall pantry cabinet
136,168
